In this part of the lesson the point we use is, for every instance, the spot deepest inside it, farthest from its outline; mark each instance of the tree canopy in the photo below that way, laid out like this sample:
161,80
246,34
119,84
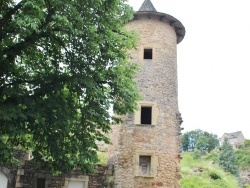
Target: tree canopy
64,64
200,140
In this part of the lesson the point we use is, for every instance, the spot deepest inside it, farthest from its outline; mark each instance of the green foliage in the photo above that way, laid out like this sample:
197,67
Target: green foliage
198,153
227,158
214,176
247,144
199,139
109,182
210,176
185,142
64,64
243,159
212,156
103,157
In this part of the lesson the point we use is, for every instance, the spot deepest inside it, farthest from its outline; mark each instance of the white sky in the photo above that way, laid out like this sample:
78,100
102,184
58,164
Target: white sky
213,63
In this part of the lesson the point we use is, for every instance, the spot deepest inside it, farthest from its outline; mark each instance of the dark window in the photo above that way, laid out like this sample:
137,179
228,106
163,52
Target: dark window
144,163
148,53
146,115
40,183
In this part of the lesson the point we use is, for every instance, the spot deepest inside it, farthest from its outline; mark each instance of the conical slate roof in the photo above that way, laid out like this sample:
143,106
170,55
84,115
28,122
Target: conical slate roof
147,6
147,9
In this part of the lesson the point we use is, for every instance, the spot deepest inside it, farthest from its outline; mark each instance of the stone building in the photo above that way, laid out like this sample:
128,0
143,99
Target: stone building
235,139
29,175
145,151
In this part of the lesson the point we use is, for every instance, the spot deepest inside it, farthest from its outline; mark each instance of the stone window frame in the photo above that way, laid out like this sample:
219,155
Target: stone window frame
4,176
153,164
84,179
44,176
155,112
8,174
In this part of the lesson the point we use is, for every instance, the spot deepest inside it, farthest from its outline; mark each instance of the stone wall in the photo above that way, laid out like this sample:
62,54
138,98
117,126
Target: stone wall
157,81
25,176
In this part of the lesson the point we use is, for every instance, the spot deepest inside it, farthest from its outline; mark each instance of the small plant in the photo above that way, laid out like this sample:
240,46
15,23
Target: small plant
109,182
247,186
214,176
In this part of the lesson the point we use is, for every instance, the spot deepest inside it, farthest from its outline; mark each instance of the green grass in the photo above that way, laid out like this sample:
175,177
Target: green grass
243,159
211,176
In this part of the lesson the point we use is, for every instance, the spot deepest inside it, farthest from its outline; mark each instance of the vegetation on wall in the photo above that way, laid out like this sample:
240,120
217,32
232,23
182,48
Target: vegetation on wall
64,64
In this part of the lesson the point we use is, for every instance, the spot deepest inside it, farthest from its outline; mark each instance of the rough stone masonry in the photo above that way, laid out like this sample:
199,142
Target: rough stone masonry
145,150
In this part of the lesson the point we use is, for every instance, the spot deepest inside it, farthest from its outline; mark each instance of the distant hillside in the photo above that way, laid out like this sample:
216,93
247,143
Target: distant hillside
204,172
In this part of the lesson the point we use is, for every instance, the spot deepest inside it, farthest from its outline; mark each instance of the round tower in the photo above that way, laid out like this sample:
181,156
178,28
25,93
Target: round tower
146,149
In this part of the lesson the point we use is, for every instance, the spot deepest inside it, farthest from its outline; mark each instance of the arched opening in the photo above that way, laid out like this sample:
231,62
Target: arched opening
3,180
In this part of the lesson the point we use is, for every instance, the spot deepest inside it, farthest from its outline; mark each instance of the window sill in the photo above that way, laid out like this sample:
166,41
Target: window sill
144,125
145,176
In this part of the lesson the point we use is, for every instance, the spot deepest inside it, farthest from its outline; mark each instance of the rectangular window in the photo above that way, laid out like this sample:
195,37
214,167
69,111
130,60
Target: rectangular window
76,184
144,164
148,53
40,183
146,115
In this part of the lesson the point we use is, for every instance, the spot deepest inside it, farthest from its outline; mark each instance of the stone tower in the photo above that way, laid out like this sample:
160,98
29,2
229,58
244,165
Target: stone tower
145,150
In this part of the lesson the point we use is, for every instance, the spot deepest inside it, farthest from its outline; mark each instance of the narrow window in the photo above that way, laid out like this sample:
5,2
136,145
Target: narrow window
146,115
144,164
148,53
40,183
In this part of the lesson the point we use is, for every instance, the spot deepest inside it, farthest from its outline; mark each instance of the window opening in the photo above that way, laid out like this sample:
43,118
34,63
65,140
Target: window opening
146,115
148,53
76,184
144,164
40,183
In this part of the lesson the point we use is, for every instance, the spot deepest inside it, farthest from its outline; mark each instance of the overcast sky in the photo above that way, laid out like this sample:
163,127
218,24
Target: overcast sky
213,63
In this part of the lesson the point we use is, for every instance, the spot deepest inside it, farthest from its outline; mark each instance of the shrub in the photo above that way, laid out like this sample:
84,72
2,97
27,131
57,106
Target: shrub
214,176
227,159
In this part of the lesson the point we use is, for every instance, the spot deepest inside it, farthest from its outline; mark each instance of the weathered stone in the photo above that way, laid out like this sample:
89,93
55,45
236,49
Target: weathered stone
160,139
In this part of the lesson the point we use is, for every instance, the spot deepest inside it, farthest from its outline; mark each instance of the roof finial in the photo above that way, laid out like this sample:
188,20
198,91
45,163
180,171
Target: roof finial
147,6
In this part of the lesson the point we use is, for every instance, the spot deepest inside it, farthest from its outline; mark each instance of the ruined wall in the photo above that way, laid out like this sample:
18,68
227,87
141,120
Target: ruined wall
157,81
25,176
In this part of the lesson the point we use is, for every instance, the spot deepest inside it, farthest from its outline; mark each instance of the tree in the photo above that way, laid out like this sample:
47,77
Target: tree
213,141
193,137
64,64
200,140
227,159
185,142
207,141
190,138
202,143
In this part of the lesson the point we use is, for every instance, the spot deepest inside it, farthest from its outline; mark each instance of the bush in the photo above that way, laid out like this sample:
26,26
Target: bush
247,143
214,176
197,154
213,156
247,186
227,159
243,159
